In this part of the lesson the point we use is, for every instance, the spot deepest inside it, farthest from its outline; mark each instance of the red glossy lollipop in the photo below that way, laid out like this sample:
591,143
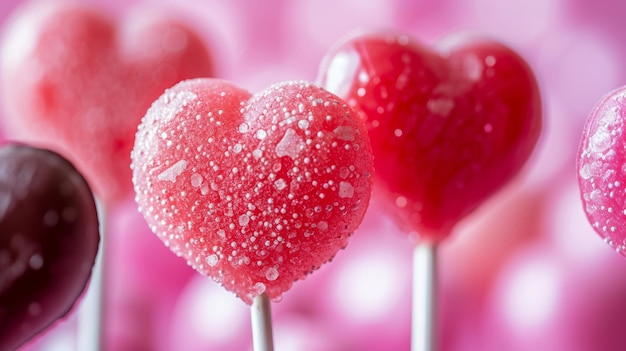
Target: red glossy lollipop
602,169
48,240
449,126
78,83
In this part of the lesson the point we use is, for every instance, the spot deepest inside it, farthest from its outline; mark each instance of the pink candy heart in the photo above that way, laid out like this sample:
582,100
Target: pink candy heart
77,83
254,191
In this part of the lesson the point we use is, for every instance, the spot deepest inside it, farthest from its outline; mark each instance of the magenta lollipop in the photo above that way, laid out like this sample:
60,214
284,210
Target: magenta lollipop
48,240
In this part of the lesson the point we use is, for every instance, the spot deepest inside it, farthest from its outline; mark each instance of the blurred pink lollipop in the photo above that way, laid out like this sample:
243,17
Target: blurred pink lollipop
78,83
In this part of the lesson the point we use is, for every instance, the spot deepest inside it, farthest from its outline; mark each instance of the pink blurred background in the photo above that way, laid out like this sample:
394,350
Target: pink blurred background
524,272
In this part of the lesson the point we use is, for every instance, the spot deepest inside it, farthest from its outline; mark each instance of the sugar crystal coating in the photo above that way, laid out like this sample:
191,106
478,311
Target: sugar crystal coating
253,191
601,166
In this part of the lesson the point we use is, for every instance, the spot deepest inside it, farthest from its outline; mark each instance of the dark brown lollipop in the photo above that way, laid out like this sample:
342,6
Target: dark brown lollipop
48,240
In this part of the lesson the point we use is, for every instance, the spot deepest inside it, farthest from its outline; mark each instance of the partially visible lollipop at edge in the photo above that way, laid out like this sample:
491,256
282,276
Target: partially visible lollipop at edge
48,240
601,168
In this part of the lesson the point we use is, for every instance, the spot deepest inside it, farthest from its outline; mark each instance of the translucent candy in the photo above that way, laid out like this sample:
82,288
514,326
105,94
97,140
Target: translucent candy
449,127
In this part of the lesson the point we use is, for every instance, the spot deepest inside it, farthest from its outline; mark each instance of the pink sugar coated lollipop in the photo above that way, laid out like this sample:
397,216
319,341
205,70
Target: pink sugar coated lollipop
602,169
253,191
78,83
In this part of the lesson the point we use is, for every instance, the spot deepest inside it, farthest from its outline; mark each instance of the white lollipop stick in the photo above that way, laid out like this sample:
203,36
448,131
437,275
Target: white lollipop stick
424,331
261,313
90,315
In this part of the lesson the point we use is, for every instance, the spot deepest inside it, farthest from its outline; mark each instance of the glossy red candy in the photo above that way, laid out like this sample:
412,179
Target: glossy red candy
449,126
48,240
602,169
77,83
254,191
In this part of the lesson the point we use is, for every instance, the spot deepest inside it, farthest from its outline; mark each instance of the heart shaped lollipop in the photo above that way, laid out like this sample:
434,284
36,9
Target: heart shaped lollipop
76,83
48,240
448,126
602,169
254,191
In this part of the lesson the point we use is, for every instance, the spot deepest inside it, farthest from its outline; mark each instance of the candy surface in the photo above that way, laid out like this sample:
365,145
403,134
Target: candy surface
449,126
76,83
254,191
602,169
48,240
